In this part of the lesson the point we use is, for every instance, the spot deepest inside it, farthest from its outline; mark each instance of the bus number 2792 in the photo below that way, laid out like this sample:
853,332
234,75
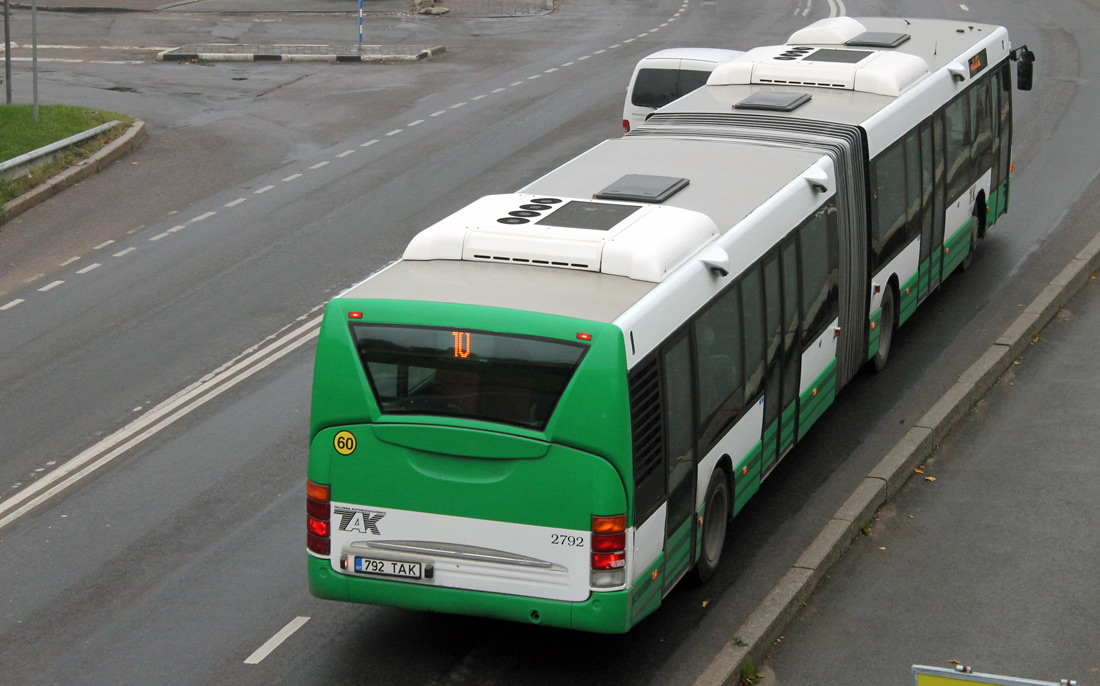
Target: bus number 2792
567,540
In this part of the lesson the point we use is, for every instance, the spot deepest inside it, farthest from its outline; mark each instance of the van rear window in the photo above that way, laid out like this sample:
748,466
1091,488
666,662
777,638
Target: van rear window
658,87
464,373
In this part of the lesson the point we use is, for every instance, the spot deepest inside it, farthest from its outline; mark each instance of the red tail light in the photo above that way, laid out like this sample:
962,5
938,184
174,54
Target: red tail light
608,551
626,126
318,509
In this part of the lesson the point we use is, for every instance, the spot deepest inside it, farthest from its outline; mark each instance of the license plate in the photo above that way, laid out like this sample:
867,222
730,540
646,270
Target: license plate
404,570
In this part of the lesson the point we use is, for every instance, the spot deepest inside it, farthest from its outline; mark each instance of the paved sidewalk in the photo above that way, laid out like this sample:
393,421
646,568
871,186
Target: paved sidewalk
991,557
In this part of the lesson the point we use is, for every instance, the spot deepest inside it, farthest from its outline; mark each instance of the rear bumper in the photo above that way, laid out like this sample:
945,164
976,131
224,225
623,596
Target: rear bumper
604,612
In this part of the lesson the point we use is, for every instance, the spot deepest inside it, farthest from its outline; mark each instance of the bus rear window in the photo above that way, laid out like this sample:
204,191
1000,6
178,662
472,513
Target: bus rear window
474,374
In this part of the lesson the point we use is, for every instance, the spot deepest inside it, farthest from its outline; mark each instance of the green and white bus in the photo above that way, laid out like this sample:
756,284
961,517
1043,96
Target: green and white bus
549,410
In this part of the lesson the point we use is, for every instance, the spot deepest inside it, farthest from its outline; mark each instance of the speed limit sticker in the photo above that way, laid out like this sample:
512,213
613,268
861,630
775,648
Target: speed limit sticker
344,443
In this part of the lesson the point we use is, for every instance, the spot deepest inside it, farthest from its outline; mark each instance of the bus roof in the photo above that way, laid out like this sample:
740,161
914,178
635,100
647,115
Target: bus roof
853,72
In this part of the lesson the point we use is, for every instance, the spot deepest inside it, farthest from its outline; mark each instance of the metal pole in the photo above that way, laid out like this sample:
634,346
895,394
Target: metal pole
360,26
34,54
7,51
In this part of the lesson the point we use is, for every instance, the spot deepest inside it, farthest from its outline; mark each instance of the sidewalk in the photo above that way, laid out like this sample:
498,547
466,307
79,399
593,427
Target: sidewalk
991,557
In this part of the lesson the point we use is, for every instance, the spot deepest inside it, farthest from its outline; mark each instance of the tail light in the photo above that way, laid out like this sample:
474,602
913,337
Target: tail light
608,551
318,512
626,126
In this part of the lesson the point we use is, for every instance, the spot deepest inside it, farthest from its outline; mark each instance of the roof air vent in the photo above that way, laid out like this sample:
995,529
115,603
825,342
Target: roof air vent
773,101
643,188
878,39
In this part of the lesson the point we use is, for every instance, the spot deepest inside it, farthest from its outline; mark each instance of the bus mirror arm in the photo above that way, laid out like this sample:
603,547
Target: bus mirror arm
716,259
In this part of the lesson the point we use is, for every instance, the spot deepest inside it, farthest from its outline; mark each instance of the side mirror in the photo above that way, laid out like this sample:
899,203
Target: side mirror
1025,60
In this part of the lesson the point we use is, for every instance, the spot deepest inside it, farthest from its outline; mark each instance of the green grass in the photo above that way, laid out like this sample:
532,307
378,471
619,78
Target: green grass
20,134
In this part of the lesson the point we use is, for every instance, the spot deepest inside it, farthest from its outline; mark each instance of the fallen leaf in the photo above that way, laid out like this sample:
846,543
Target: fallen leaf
955,662
929,478
705,603
918,470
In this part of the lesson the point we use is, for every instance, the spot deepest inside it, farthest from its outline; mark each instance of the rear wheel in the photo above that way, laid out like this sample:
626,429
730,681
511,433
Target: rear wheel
716,516
888,323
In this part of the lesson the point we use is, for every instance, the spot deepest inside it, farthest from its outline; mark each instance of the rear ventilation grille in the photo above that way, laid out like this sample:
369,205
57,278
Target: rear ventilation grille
648,437
525,260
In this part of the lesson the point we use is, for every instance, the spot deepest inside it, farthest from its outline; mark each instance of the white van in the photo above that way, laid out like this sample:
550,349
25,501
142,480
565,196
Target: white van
664,76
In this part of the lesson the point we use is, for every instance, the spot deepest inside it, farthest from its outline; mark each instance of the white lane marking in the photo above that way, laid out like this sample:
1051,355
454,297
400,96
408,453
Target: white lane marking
391,133
261,191
642,35
276,640
628,40
551,70
206,215
599,52
439,113
34,278
533,77
178,227
90,267
319,165
457,105
292,177
368,143
964,8
234,203
581,59
12,304
103,245
411,124
50,286
515,83
69,261
127,251
153,422
345,153
568,64
498,90
159,236
479,97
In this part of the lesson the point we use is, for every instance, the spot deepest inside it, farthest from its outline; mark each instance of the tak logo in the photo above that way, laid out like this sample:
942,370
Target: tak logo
361,521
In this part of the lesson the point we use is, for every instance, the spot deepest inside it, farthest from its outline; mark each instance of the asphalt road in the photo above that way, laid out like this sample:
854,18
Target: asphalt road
184,556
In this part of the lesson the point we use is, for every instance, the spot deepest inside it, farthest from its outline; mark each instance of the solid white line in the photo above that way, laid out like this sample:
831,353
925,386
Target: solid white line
234,203
12,304
90,267
266,188
50,286
69,261
103,245
152,422
127,251
276,640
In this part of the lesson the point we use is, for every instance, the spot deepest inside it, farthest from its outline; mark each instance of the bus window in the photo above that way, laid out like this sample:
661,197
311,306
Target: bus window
820,252
888,204
718,360
957,148
981,123
680,455
752,297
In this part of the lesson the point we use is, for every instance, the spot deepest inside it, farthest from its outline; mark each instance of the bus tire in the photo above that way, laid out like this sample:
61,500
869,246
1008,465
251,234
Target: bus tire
889,324
716,518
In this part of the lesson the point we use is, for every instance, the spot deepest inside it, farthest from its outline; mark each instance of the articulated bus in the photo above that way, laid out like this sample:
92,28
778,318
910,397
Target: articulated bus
551,408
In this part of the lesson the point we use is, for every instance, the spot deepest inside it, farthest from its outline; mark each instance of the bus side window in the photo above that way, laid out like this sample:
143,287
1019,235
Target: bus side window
981,124
957,148
820,253
752,298
888,204
718,361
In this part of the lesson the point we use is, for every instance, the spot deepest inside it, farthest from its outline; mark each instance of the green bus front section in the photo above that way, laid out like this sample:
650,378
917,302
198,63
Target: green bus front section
577,467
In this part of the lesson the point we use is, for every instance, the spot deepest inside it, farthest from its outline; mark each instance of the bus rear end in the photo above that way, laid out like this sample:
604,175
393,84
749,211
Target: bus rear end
462,460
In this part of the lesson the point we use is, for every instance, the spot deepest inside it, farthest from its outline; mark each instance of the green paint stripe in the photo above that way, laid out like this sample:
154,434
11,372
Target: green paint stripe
908,299
746,478
874,333
645,595
956,247
678,549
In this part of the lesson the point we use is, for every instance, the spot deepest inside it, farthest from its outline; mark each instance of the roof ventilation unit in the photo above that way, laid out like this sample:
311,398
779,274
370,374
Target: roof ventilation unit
643,188
832,31
878,39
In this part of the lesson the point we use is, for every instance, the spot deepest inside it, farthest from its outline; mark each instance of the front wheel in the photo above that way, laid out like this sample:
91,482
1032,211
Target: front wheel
716,516
888,325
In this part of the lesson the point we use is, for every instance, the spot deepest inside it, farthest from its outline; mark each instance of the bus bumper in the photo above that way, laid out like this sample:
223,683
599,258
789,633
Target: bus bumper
605,612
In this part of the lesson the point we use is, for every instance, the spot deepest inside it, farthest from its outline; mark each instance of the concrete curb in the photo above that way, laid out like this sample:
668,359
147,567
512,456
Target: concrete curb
753,639
111,152
291,53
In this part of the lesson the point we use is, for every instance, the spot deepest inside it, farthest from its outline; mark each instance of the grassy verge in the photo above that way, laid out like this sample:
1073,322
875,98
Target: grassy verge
20,134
